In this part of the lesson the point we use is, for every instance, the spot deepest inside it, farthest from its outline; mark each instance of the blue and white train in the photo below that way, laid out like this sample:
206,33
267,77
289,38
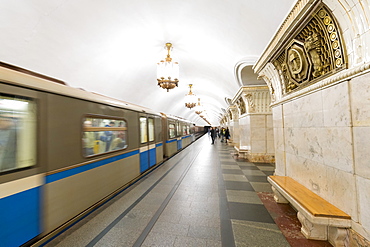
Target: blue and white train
65,151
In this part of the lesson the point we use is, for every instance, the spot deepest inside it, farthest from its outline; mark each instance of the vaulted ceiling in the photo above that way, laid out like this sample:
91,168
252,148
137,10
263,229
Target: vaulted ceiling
111,47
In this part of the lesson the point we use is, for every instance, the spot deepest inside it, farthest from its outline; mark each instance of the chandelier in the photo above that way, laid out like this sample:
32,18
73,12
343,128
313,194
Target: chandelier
190,99
198,108
168,71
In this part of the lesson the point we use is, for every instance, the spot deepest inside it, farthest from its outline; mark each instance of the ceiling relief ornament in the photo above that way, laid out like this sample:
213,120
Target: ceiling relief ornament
315,52
241,106
251,105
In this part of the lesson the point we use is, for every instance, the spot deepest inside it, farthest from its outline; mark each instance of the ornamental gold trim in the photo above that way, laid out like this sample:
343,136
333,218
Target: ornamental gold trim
314,53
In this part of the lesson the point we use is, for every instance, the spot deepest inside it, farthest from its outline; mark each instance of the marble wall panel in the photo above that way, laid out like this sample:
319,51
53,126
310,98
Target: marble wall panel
305,142
258,121
337,149
304,112
329,146
279,139
270,147
334,185
280,163
258,146
235,136
277,116
363,186
342,191
336,105
258,134
361,139
269,134
245,133
360,100
269,121
309,173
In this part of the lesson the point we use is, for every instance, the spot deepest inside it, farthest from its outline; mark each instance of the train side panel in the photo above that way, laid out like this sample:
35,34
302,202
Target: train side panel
67,195
73,182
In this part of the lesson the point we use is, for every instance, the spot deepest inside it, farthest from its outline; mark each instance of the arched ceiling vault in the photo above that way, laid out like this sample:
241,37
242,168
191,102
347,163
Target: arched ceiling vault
112,47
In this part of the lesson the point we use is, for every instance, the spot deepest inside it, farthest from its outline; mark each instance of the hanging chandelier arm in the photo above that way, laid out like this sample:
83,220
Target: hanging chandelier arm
169,46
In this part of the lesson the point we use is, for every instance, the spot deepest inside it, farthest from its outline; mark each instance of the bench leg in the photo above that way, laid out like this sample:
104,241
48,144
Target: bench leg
311,230
338,237
279,198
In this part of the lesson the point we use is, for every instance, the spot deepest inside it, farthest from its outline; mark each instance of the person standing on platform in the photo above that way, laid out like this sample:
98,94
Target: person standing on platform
227,134
213,135
222,133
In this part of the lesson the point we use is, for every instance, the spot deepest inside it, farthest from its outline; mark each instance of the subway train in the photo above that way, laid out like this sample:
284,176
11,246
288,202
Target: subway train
65,151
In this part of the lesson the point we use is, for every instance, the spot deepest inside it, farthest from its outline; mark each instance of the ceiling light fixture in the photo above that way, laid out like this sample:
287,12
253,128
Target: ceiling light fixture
168,71
198,108
190,99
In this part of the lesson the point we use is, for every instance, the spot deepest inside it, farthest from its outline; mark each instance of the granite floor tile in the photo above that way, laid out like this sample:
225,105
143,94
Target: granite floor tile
200,220
245,163
213,233
230,167
213,243
233,185
243,196
261,186
233,163
118,237
257,234
232,171
249,167
189,242
234,177
249,212
262,179
170,228
159,240
254,173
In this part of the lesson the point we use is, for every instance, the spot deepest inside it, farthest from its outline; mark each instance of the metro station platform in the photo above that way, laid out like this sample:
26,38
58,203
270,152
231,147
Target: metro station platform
203,196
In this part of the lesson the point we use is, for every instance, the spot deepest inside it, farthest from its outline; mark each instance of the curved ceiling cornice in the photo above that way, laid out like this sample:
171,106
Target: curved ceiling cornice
248,61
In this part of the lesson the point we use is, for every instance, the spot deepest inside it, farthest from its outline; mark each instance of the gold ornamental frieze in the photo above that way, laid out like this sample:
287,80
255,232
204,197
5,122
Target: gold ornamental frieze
313,53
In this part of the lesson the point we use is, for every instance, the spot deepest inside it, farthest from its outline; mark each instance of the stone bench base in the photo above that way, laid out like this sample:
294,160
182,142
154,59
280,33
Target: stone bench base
333,228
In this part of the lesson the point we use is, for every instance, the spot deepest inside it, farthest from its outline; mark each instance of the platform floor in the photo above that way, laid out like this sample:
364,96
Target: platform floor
203,196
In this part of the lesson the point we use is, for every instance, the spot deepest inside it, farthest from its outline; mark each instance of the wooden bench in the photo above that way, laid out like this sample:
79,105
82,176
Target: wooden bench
320,220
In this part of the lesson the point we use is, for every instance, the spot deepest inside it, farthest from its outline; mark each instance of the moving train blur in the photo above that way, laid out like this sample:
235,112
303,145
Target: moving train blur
65,151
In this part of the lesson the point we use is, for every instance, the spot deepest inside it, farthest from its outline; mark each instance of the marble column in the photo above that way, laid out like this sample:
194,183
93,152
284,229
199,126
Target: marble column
255,139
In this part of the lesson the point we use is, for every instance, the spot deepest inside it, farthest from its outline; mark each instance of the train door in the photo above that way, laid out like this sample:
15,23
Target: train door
178,133
147,143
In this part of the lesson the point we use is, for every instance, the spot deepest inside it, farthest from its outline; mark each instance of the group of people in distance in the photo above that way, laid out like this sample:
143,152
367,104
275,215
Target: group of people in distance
222,133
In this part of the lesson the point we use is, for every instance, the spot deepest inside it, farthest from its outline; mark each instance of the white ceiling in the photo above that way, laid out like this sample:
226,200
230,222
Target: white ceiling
111,47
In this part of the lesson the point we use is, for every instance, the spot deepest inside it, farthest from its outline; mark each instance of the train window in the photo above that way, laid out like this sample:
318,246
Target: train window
188,130
184,130
171,130
17,132
151,129
101,135
143,130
